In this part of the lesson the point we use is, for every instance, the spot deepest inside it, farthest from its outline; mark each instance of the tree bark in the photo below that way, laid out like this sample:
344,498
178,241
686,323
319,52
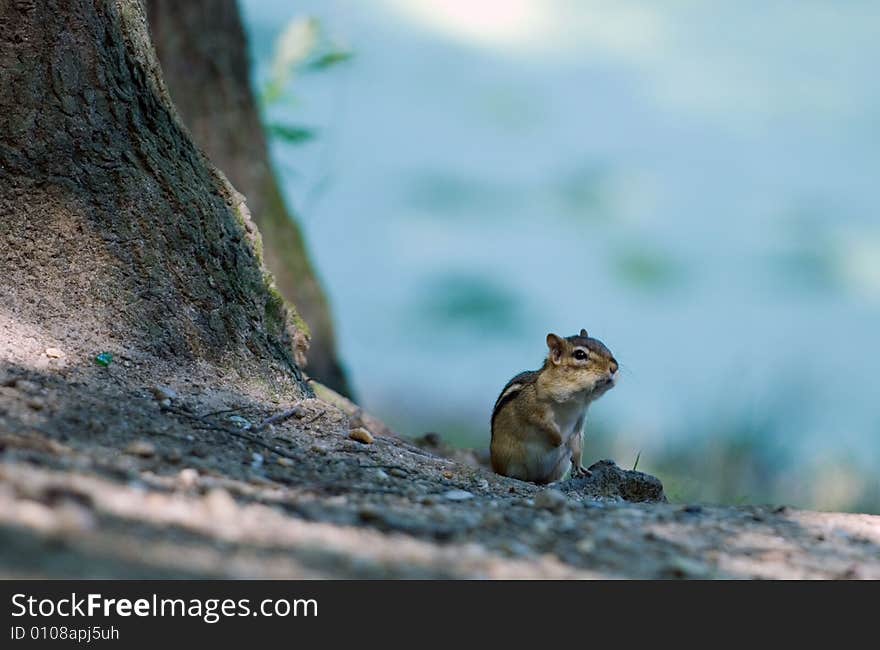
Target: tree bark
116,232
202,48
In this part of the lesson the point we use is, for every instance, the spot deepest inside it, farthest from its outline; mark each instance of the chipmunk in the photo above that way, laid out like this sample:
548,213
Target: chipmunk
538,419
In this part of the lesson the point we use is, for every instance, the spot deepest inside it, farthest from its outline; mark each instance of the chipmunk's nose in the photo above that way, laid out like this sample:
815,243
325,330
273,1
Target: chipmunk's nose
612,367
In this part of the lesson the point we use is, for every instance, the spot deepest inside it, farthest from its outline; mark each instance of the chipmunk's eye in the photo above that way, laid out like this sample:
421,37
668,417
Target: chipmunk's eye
580,355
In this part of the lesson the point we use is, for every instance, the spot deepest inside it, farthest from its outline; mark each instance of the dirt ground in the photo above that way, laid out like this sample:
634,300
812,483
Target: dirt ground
145,470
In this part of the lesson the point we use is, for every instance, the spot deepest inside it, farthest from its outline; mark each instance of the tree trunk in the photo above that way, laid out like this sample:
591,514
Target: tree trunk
117,234
202,48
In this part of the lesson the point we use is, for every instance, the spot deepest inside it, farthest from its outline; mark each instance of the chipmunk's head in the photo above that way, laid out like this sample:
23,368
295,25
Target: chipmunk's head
580,364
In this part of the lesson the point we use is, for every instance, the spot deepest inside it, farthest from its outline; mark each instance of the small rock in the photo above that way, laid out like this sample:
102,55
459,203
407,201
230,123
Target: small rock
441,514
550,499
585,546
541,526
188,477
54,353
299,412
72,517
399,472
482,483
165,403
515,548
565,522
141,448
361,435
369,513
256,460
26,386
285,462
220,503
683,567
36,403
448,474
240,422
381,475
458,495
163,392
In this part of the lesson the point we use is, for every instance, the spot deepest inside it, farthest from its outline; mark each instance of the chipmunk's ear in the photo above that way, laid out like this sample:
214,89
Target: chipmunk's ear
584,334
557,347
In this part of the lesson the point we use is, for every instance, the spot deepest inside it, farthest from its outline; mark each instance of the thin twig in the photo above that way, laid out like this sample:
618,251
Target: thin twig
238,434
221,412
285,415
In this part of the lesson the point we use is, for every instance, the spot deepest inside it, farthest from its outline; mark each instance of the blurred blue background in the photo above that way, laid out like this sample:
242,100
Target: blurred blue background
695,183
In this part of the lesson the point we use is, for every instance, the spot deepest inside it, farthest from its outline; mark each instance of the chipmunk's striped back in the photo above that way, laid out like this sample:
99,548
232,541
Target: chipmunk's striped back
512,389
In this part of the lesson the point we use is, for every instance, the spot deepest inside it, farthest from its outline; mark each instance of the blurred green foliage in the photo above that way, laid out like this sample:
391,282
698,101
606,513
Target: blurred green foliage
647,269
434,192
303,46
290,134
470,301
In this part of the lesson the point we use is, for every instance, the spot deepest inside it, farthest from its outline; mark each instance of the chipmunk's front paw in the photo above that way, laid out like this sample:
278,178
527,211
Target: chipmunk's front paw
578,471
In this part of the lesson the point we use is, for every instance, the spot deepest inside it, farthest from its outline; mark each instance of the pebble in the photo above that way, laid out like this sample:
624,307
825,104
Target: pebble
220,503
240,422
440,513
398,472
256,460
141,448
683,567
381,475
369,513
458,495
163,393
285,462
482,483
550,499
54,353
516,548
361,435
188,477
26,386
299,412
36,403
585,546
540,526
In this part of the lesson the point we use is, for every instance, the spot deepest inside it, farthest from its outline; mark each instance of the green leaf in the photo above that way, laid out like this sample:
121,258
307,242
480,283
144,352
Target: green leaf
329,60
272,92
291,134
